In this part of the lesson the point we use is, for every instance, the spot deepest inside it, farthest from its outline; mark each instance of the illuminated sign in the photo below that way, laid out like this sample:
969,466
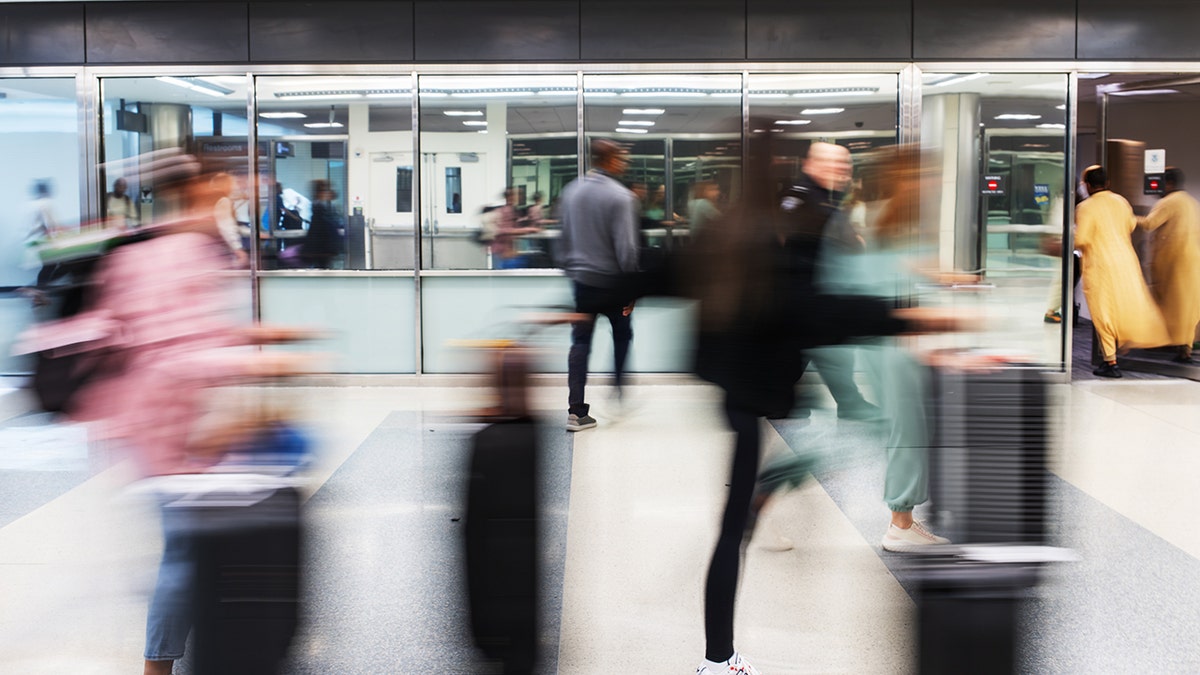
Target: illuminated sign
1153,184
993,185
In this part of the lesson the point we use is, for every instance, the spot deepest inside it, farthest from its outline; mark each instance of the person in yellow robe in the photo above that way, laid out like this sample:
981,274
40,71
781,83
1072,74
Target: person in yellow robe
1123,311
1175,265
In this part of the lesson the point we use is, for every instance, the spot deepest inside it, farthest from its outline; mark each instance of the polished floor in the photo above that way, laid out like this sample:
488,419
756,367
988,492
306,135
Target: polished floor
631,509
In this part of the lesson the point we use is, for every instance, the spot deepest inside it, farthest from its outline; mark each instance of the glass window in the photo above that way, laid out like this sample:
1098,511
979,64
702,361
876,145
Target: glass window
994,152
39,140
495,153
335,172
683,133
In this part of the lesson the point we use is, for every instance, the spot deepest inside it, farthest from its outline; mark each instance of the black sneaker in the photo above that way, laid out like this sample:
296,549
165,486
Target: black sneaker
1108,370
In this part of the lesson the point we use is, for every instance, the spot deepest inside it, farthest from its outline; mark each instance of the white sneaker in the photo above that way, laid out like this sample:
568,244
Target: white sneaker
736,665
579,423
899,540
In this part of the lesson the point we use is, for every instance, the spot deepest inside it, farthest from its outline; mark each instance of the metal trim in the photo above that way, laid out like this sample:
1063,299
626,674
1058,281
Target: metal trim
418,234
337,273
1068,249
90,133
253,177
547,272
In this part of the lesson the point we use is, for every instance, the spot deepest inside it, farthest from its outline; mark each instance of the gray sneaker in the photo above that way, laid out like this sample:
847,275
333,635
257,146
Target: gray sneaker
579,423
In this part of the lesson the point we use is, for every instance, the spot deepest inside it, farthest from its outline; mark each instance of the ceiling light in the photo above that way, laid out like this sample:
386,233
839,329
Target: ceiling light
643,111
843,91
325,125
957,79
197,85
1144,92
1018,116
475,123
822,111
316,96
793,122
623,130
283,115
1061,107
463,113
635,123
1052,125
1092,76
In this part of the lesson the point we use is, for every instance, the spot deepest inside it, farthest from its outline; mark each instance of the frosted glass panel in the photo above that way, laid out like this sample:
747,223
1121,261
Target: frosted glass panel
457,308
371,320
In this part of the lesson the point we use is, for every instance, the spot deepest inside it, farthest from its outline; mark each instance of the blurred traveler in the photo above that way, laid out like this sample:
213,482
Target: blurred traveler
599,244
758,309
119,207
226,218
534,215
507,222
703,206
155,330
1123,311
1175,262
323,241
44,227
811,204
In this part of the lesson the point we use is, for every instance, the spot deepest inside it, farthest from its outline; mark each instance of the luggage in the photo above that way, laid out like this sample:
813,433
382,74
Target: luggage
502,543
989,439
247,584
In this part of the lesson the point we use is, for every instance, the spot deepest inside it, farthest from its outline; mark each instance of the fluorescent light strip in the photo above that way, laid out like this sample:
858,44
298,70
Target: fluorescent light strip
1144,92
196,85
958,79
283,115
475,123
319,97
635,123
623,130
793,122
643,111
463,113
1061,107
324,125
1052,125
1018,116
822,111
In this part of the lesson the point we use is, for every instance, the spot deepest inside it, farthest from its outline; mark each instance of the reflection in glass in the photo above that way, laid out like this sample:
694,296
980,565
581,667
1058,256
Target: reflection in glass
995,149
39,140
683,134
352,135
488,145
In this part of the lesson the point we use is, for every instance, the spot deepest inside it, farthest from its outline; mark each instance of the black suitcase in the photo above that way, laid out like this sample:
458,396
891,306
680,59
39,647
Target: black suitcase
502,543
987,463
247,586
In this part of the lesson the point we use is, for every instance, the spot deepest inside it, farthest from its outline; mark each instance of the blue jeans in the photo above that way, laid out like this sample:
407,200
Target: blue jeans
593,300
169,619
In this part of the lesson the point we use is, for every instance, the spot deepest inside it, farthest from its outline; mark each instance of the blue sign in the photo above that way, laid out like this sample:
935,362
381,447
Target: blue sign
1041,194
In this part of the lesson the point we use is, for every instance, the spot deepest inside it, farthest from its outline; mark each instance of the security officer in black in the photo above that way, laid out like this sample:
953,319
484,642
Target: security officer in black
816,226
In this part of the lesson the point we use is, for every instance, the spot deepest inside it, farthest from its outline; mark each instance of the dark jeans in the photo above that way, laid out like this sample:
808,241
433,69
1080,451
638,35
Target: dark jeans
592,300
720,591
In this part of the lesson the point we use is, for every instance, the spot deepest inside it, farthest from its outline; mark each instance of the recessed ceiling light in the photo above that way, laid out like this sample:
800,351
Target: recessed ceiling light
324,125
643,111
1052,125
463,113
822,111
957,79
1018,116
1061,107
475,123
625,130
197,85
793,122
635,123
283,115
1144,92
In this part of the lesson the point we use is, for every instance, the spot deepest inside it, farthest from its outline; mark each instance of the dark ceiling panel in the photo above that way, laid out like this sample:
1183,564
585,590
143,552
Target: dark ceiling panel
1012,29
167,32
479,30
323,32
1147,29
829,30
41,33
669,30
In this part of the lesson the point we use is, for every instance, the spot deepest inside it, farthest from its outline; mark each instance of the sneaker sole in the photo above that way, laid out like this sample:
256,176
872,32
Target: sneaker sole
894,546
580,427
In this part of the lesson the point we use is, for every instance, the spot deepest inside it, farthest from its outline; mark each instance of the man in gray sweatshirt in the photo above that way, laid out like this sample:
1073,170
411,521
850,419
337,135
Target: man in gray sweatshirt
599,244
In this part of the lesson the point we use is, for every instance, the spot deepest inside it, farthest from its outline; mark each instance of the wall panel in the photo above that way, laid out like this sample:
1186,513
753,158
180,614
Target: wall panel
868,30
1013,29
668,30
1147,29
325,32
41,33
479,30
167,32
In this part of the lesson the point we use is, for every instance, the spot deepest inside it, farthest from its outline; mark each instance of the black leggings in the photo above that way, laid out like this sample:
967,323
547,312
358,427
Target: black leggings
720,591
